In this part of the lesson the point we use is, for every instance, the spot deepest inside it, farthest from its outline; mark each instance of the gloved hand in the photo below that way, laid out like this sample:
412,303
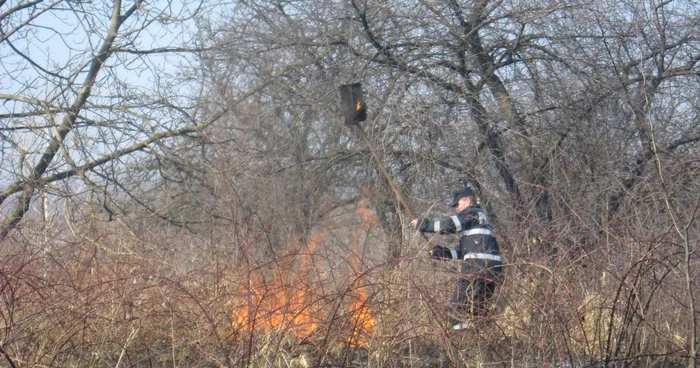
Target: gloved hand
440,252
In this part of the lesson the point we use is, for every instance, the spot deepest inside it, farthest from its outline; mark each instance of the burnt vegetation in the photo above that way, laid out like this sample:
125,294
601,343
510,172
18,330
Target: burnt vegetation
179,187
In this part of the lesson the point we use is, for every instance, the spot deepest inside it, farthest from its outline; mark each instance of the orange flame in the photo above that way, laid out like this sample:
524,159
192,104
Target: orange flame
358,106
290,301
285,304
285,308
363,320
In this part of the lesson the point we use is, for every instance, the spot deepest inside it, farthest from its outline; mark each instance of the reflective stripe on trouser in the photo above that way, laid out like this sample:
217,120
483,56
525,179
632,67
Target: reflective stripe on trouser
477,232
488,256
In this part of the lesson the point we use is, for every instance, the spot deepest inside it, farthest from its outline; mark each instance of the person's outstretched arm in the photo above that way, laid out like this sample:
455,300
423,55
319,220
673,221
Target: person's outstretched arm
449,225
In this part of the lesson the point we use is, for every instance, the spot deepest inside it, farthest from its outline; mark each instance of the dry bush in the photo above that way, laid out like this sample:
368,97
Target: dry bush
161,296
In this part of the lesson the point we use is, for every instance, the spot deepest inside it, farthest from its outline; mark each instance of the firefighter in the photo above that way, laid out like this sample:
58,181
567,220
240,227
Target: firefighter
478,250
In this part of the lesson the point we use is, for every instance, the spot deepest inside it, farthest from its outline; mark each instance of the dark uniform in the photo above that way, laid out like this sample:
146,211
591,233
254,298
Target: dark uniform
479,251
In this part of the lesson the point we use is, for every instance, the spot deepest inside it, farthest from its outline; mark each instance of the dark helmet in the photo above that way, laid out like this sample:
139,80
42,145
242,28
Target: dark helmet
464,192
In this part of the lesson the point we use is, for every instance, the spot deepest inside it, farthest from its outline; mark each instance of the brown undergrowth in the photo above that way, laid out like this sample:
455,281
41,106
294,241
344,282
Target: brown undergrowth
117,298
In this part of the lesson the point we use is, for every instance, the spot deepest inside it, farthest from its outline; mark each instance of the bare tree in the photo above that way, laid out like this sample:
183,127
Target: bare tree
89,90
545,107
575,122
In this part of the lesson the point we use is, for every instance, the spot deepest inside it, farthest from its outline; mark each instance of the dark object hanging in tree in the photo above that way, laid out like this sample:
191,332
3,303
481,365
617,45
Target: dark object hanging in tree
354,106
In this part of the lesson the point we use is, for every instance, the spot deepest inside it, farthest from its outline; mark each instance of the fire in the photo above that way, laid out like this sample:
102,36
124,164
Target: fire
362,320
284,303
284,308
292,301
358,106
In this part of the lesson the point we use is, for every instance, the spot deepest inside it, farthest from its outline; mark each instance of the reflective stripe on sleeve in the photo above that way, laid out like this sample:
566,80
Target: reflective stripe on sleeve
458,224
477,232
454,253
491,257
436,226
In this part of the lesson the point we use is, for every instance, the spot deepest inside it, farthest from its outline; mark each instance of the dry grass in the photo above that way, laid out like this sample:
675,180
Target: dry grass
115,299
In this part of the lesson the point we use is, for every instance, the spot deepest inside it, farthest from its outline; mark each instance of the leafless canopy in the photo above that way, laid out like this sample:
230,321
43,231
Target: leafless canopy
202,146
